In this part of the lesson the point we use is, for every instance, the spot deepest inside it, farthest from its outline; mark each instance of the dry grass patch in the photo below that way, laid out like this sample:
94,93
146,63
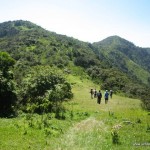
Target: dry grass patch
88,125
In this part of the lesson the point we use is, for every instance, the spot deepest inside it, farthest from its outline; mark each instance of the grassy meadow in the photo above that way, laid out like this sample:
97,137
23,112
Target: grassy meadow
119,125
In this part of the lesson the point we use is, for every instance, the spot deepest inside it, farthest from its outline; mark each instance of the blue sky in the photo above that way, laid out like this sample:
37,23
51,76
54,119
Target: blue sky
86,20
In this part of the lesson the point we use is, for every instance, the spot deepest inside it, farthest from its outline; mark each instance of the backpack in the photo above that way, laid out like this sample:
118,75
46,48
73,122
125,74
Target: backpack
99,95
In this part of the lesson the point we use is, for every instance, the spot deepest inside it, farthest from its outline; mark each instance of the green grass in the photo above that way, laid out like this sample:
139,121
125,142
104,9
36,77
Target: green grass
88,125
142,74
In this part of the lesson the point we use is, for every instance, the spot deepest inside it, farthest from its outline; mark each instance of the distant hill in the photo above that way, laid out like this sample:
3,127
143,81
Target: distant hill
127,57
113,62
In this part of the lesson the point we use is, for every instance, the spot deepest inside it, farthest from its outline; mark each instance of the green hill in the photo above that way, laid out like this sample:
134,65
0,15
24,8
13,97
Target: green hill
45,82
126,57
114,63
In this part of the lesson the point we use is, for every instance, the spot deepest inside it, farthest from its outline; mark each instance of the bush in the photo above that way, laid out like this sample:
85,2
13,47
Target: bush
43,89
115,137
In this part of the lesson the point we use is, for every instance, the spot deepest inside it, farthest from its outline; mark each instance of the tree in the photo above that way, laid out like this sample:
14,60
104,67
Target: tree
44,89
7,87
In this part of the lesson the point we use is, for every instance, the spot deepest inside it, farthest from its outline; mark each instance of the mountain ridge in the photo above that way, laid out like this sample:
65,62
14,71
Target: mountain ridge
30,24
126,52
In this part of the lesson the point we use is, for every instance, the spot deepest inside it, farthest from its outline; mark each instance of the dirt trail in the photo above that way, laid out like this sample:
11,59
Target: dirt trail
86,127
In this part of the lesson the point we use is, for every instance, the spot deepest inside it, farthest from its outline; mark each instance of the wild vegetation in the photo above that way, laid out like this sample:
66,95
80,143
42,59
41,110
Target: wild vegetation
45,80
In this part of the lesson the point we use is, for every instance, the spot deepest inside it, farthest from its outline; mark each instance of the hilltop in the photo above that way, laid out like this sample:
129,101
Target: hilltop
126,56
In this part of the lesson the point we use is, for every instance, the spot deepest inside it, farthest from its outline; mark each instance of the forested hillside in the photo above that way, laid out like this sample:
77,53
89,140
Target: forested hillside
113,63
134,61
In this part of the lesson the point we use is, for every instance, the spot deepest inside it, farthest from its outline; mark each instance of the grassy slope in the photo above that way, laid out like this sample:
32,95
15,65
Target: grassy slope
141,74
92,132
95,132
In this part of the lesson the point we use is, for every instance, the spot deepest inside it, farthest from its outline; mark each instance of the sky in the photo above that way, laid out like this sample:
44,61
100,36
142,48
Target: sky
86,20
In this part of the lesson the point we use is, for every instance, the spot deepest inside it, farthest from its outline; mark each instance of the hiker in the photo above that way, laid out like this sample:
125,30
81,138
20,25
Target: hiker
95,93
92,93
106,96
99,96
111,93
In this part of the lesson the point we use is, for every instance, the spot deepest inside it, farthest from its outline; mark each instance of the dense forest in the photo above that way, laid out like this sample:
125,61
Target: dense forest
34,64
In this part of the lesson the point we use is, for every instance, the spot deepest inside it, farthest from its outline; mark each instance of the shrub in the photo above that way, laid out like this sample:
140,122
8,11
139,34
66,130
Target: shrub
43,89
115,137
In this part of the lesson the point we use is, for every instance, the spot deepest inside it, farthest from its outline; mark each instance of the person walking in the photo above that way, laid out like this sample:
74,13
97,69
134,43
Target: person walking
95,93
111,93
92,93
106,96
99,96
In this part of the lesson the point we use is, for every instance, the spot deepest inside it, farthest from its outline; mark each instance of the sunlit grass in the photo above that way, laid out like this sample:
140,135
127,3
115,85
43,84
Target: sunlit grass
88,125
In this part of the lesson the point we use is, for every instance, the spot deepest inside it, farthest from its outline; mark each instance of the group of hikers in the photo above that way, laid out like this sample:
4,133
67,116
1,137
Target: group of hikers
98,95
